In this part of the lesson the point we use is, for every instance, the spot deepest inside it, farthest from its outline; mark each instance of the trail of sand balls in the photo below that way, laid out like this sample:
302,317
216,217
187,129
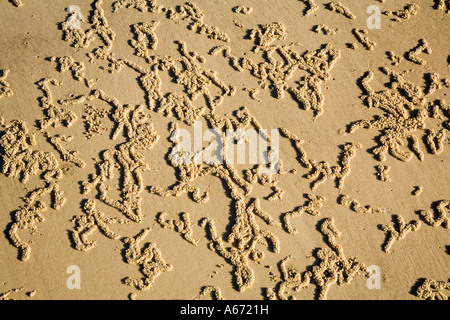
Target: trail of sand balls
5,88
310,8
311,207
404,115
361,36
17,3
19,160
407,12
239,248
413,55
5,295
332,267
356,206
443,5
274,75
398,232
210,290
382,173
433,290
440,218
149,259
325,29
341,9
182,226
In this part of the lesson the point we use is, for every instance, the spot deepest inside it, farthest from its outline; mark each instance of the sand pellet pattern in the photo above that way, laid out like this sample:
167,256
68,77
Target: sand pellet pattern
114,113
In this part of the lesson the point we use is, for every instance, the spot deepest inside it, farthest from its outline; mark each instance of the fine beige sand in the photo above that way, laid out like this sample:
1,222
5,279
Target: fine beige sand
92,103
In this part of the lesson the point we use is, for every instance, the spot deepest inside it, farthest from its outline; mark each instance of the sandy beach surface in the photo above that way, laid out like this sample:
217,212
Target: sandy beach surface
118,177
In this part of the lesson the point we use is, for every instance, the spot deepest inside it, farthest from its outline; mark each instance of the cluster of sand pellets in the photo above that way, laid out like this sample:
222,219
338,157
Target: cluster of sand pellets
6,90
109,113
332,267
407,12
